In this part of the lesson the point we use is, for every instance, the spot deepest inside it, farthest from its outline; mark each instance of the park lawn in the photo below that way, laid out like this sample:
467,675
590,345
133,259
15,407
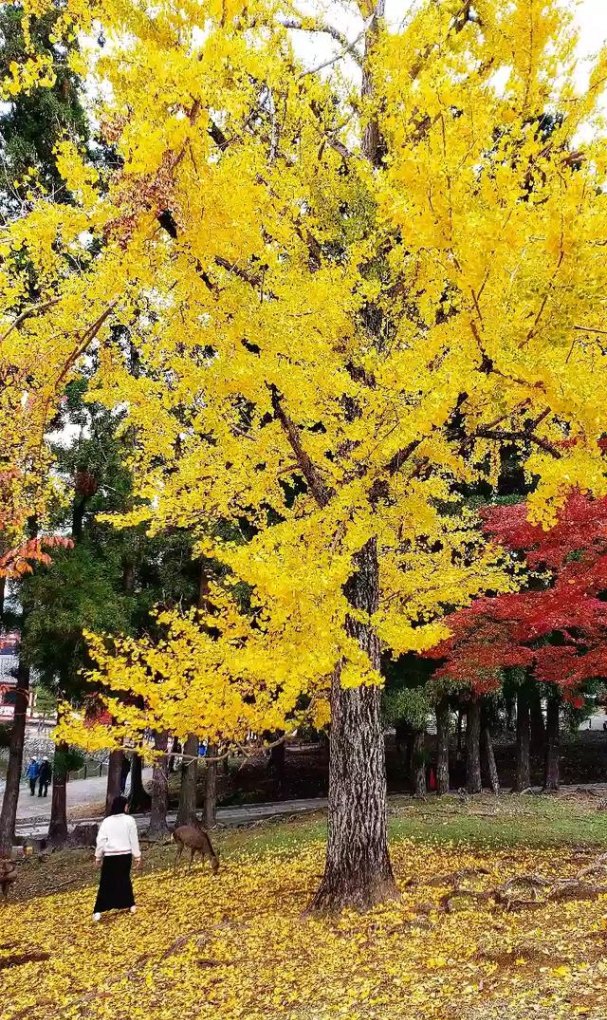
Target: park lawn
237,947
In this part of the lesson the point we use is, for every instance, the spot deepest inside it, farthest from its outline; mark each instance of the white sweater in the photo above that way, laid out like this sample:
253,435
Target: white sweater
117,835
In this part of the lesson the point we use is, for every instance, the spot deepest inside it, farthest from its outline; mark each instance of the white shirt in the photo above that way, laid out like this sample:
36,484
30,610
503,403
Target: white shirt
117,835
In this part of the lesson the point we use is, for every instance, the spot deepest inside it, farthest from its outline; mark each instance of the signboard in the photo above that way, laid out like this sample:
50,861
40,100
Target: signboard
9,655
9,643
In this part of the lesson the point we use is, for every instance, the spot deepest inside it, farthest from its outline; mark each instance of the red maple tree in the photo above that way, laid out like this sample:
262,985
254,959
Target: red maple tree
557,626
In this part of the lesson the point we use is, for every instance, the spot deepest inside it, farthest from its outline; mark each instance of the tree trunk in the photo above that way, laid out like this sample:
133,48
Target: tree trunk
551,774
490,765
57,830
139,798
114,777
523,768
186,812
509,702
418,764
210,789
8,815
536,718
158,827
460,716
474,782
358,872
276,767
442,747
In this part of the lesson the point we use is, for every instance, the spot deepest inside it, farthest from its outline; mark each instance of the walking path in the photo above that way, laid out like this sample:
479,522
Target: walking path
33,813
228,816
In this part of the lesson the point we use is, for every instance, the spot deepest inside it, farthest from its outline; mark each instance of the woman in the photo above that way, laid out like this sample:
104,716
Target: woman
117,846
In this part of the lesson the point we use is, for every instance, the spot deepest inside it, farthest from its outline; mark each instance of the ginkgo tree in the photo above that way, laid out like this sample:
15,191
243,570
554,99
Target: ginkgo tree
347,283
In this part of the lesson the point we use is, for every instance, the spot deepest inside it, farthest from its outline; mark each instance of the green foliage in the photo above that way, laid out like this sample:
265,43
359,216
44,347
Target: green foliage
111,579
31,124
80,592
411,705
66,761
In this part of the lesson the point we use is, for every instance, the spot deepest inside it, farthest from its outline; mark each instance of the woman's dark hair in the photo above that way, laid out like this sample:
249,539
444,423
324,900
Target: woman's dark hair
118,805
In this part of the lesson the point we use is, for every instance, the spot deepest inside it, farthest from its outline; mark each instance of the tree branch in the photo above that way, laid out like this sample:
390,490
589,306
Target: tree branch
325,29
26,314
322,493
503,435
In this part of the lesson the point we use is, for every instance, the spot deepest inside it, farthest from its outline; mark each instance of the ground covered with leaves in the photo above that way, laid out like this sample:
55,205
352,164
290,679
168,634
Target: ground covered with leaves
483,932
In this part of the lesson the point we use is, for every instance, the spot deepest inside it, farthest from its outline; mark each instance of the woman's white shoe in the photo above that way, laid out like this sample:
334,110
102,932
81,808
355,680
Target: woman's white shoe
133,909
96,917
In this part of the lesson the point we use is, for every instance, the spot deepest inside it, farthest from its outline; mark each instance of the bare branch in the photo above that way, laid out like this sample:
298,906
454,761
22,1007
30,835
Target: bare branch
344,52
326,29
26,314
503,435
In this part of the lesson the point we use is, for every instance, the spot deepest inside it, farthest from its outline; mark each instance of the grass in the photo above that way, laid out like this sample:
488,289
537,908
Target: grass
236,946
530,821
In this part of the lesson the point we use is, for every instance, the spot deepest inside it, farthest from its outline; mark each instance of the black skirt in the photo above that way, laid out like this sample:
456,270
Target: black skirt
115,887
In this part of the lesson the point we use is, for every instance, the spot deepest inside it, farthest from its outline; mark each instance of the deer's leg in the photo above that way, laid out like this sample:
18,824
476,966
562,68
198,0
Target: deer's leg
192,852
178,855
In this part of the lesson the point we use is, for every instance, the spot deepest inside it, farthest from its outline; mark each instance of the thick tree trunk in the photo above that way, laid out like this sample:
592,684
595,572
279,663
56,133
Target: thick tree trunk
523,768
536,719
487,745
158,827
442,747
114,776
57,830
139,798
8,815
551,774
474,782
510,703
460,719
210,789
418,764
186,811
358,872
276,766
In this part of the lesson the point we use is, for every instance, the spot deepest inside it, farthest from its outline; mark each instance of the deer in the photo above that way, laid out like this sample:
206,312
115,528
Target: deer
196,839
8,875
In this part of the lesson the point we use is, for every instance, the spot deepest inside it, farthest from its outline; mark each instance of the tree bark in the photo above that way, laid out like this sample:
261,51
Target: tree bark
158,827
358,873
418,764
509,701
210,789
536,719
57,830
490,765
474,782
460,716
276,767
8,815
442,747
186,811
523,767
139,798
114,776
551,773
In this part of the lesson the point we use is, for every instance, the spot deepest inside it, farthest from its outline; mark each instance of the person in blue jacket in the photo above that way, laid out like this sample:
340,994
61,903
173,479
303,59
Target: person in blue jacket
32,773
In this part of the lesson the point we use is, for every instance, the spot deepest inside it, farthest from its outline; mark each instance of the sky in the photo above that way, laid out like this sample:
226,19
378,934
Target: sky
592,19
591,16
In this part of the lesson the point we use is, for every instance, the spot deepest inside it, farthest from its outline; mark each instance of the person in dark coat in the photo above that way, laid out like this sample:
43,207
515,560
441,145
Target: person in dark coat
44,777
117,848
